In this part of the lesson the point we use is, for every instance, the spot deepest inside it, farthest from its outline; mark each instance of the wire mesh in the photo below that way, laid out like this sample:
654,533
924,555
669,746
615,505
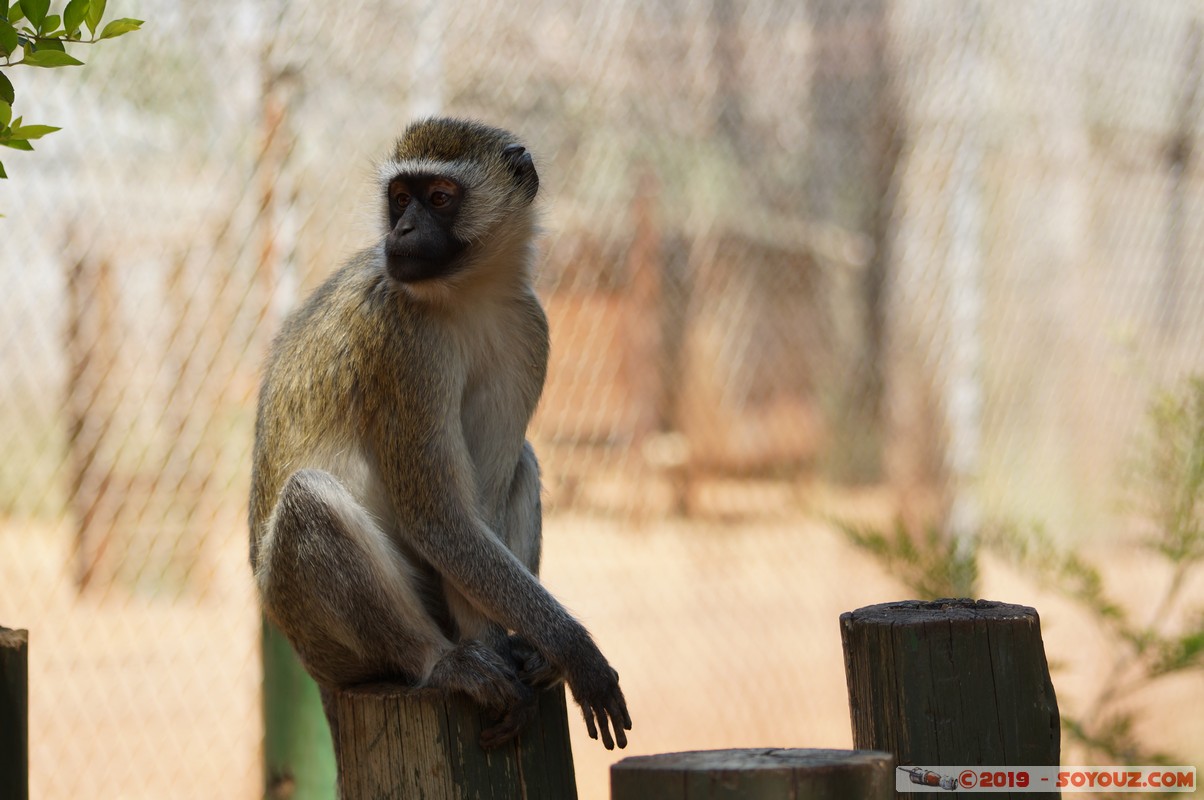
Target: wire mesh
886,256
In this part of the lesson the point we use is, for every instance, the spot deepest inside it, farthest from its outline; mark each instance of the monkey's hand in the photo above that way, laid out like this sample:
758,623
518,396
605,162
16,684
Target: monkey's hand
595,687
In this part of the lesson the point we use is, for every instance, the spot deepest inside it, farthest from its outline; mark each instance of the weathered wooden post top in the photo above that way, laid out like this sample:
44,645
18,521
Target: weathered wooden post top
953,682
755,774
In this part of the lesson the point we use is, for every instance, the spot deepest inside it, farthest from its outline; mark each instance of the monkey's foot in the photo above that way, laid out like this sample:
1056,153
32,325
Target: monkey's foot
532,667
511,724
477,671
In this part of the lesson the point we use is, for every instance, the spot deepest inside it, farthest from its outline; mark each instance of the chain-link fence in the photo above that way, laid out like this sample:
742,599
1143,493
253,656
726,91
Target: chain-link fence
875,257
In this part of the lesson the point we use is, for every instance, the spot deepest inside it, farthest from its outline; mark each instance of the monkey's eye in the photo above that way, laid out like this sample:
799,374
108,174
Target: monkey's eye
442,193
398,198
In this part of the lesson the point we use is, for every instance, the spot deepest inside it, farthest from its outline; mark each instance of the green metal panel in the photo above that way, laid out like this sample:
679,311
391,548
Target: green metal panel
298,752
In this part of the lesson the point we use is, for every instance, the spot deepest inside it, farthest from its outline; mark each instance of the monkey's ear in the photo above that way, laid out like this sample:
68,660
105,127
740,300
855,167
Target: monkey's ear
523,168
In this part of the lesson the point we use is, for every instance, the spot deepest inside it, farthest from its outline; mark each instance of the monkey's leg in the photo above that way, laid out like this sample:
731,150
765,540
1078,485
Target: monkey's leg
347,599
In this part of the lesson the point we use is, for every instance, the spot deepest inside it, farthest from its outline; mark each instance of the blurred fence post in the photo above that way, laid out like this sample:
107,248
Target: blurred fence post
762,774
851,154
393,743
951,683
93,338
14,714
1179,158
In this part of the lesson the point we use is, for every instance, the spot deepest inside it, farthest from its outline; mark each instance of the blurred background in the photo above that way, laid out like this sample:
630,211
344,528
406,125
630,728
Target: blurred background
814,270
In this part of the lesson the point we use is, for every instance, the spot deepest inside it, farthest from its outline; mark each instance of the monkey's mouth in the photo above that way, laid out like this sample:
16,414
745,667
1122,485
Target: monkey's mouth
412,269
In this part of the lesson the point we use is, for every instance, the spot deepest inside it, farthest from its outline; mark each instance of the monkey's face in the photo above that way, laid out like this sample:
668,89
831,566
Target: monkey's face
458,199
421,244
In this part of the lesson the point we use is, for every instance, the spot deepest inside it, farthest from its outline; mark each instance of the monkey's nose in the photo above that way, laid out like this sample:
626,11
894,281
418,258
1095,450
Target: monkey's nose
404,228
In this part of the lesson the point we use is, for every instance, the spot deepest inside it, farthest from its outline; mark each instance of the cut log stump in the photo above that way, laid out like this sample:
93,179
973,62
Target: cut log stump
393,743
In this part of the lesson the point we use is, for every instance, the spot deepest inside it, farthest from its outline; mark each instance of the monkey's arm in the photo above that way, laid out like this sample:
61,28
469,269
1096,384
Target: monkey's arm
439,519
522,531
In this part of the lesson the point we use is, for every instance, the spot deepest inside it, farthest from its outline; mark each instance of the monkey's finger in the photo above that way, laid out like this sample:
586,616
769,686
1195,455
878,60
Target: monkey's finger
619,718
510,725
616,710
616,706
619,702
588,713
496,736
604,726
620,735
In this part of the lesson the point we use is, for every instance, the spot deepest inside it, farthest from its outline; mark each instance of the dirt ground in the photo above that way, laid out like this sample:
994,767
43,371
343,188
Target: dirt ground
725,635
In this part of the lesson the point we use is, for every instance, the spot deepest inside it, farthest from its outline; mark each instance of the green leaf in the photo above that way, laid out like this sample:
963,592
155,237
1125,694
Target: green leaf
96,10
49,24
51,58
7,95
51,44
4,8
8,38
73,15
931,564
16,144
1182,653
15,14
35,11
6,114
3,175
120,26
33,131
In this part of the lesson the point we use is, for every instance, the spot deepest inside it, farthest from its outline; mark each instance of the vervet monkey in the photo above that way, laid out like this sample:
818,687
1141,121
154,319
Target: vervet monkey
395,511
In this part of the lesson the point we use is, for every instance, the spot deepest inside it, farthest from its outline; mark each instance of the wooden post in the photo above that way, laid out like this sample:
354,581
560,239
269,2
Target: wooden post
395,743
763,774
951,683
14,714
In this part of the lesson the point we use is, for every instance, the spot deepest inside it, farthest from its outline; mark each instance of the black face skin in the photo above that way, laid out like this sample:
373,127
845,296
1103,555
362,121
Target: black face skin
422,210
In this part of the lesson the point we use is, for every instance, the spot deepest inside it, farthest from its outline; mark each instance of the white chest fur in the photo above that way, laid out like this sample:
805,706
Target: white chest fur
501,385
